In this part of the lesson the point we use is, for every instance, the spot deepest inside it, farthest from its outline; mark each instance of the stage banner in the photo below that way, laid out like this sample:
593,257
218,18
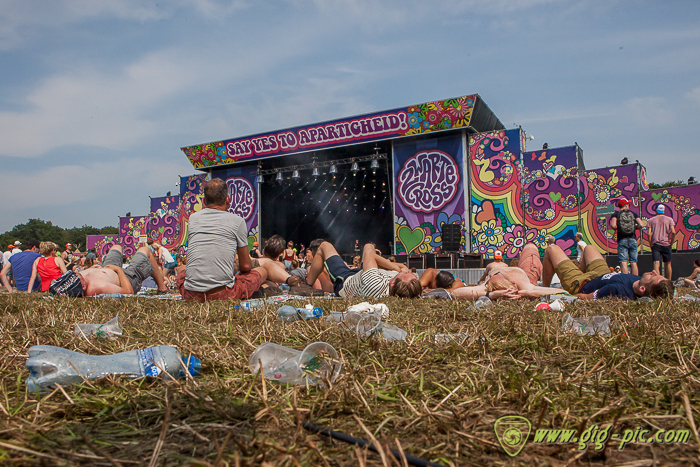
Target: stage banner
101,244
550,199
164,221
496,206
416,119
603,187
682,204
132,230
191,200
242,188
428,193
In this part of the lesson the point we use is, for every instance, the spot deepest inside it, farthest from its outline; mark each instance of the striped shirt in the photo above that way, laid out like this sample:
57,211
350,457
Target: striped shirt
370,283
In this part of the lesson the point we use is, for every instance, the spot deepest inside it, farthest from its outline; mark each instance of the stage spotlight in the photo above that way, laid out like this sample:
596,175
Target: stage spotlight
260,179
295,175
315,172
333,170
355,168
375,164
279,177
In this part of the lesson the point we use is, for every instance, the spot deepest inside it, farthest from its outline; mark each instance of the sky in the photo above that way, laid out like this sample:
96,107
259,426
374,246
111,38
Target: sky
97,98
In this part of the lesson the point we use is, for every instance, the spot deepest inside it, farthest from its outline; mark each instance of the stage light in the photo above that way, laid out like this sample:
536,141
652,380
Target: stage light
333,170
295,175
315,172
279,177
355,168
375,164
260,179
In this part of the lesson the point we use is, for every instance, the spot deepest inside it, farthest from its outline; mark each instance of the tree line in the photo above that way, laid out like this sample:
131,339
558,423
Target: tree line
47,232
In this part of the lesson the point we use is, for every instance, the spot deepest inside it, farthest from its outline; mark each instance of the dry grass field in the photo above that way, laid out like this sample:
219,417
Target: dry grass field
437,402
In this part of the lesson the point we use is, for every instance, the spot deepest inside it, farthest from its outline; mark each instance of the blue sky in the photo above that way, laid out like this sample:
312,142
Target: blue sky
96,98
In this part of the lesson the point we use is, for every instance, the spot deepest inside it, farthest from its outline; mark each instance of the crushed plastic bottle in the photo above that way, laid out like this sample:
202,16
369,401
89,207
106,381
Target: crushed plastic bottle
446,338
108,330
586,326
287,313
690,298
317,362
482,302
49,365
112,295
641,300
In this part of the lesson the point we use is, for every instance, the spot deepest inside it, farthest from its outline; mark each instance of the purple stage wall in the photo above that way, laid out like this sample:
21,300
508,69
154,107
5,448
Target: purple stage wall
683,205
101,244
130,230
428,193
244,196
164,221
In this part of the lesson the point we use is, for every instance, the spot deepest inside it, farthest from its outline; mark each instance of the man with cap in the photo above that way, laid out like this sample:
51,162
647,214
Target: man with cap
255,252
662,233
626,222
495,264
67,256
21,266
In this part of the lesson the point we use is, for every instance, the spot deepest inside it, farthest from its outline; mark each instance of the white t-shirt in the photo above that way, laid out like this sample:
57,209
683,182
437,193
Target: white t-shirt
370,283
6,256
580,246
165,256
212,240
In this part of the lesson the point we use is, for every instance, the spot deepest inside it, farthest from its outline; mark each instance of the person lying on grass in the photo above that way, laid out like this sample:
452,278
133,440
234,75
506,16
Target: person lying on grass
434,279
378,277
592,279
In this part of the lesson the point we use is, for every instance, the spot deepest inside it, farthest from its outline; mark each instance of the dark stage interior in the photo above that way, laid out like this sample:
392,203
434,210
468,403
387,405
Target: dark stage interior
338,207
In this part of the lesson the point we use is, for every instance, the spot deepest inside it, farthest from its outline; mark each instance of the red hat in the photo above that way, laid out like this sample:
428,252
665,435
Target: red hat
622,202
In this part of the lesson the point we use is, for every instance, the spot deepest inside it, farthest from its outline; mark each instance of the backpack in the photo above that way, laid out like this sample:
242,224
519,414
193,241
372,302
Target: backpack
68,285
625,223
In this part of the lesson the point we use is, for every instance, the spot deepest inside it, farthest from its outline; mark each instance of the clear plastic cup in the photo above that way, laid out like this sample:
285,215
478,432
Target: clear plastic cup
317,362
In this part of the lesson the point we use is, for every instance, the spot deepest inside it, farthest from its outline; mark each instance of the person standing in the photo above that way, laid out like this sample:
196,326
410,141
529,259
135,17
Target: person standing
580,246
662,233
289,255
626,223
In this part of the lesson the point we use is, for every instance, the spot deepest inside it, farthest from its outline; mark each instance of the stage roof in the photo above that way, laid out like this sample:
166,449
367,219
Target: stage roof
468,112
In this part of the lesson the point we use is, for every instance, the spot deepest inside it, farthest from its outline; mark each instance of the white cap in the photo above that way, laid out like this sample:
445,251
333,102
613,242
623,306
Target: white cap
660,209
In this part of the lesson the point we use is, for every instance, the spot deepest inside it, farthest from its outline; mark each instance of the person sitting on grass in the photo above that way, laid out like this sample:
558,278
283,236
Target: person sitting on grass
592,280
49,267
378,277
692,280
434,279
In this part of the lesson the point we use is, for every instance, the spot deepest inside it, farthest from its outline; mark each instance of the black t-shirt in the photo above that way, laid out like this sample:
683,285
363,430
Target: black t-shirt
612,284
620,234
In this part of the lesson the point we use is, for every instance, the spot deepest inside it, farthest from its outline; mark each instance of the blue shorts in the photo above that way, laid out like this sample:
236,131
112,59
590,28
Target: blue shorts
339,271
627,249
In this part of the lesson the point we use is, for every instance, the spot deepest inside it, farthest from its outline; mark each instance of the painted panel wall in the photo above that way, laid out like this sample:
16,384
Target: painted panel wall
101,244
191,201
242,188
496,207
130,230
428,192
550,199
397,123
683,205
164,221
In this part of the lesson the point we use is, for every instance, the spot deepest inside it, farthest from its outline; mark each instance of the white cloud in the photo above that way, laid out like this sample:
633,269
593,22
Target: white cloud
694,95
651,111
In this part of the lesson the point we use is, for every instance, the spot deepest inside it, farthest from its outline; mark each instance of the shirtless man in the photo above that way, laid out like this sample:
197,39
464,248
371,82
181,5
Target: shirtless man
434,279
112,278
511,282
497,263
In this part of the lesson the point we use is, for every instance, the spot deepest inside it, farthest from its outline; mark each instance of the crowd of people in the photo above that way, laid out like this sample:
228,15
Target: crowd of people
220,265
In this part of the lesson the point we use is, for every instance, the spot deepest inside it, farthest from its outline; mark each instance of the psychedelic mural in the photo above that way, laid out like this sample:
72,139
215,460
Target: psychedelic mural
131,229
428,193
191,200
242,188
496,208
606,186
550,200
682,203
416,119
164,222
101,244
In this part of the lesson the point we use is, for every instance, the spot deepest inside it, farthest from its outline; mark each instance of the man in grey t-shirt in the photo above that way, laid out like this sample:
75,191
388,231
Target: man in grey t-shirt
215,237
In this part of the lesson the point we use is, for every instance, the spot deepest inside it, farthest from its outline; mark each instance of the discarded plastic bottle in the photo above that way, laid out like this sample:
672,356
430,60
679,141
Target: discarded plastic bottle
49,365
644,300
482,302
110,329
113,295
287,313
586,326
391,332
690,298
251,304
318,361
446,338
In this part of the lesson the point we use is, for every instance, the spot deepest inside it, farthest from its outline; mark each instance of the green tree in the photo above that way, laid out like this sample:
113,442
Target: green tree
656,186
47,232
